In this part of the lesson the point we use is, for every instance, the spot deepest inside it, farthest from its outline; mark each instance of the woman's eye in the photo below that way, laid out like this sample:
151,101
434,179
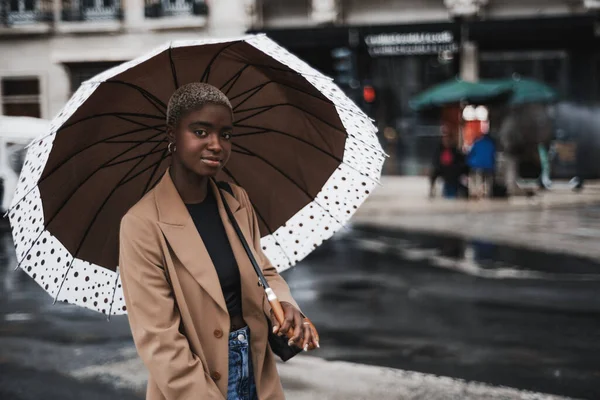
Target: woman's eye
227,135
200,132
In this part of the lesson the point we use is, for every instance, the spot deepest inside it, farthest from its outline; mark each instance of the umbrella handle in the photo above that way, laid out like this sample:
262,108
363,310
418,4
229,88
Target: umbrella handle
277,310
280,315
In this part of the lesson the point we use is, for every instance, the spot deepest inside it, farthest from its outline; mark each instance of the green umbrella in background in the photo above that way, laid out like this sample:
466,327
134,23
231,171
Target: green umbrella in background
457,91
526,91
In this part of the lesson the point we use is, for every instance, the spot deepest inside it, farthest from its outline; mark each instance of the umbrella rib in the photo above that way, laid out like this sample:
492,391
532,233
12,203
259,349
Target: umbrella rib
206,73
341,130
155,165
312,199
286,70
173,69
254,89
142,156
112,301
133,141
288,135
93,220
114,189
92,145
234,78
155,101
258,213
147,187
71,195
112,114
64,278
306,92
71,157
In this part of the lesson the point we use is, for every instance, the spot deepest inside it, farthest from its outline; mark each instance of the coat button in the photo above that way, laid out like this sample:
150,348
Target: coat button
218,333
215,376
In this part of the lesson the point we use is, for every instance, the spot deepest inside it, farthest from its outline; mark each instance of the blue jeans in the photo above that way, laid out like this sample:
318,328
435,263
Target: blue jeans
241,385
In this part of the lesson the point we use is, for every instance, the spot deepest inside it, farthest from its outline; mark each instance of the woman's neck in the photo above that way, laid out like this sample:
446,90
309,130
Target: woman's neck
191,187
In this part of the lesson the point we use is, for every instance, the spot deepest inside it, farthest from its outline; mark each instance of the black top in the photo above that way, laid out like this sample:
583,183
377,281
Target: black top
210,227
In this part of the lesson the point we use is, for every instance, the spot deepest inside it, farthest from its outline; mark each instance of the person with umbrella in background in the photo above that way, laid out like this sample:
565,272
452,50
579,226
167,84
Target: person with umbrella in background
160,298
131,204
449,164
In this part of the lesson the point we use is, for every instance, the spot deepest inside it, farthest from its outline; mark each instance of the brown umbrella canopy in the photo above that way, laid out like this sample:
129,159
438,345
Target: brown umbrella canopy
306,155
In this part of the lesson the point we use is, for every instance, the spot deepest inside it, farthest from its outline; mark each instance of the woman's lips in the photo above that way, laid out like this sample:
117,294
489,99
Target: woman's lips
211,162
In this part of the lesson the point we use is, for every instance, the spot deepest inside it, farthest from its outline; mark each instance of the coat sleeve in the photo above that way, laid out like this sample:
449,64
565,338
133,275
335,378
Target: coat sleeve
277,283
154,318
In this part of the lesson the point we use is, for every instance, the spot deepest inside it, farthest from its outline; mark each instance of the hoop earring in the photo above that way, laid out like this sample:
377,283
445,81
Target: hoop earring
171,147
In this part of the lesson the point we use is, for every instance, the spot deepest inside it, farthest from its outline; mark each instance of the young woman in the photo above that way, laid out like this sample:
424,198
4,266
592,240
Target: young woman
197,315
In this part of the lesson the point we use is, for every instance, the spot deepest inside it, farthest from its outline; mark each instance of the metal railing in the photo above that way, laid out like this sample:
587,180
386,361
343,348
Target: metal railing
91,10
21,12
169,8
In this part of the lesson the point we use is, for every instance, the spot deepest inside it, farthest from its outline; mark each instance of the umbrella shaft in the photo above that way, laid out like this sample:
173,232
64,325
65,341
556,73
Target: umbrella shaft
277,310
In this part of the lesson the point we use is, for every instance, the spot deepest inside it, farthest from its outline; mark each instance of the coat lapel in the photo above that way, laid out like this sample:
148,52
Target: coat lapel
182,236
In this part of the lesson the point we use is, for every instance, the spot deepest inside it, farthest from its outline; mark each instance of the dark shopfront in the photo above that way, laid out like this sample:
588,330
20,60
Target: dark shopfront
401,61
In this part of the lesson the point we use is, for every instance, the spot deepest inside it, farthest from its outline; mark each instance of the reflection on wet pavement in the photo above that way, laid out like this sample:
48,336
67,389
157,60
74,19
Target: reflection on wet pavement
26,310
386,298
403,300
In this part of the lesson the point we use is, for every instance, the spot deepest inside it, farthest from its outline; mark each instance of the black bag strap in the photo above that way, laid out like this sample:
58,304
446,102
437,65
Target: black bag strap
227,187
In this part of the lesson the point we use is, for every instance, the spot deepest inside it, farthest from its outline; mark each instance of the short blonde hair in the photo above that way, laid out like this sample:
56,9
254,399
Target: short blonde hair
191,97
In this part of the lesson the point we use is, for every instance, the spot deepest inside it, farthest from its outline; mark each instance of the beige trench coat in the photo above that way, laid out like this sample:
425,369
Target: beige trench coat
175,304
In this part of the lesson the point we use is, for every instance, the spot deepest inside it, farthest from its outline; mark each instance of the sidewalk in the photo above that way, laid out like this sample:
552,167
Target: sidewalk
310,378
557,220
409,195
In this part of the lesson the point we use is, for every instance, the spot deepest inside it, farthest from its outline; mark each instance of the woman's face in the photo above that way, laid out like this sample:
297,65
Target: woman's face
202,139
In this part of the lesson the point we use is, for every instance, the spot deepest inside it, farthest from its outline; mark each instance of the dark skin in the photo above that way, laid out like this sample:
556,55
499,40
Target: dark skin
202,143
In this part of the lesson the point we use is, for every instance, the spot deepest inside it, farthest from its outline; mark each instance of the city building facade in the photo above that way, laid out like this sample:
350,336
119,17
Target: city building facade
382,52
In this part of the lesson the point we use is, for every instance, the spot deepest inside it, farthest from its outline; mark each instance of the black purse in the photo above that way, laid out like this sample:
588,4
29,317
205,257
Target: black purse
279,344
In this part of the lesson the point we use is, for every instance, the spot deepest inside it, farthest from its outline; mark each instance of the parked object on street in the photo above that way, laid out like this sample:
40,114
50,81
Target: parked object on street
305,153
15,134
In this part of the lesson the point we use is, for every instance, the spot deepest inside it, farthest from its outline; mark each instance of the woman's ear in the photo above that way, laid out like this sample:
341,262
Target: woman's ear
170,134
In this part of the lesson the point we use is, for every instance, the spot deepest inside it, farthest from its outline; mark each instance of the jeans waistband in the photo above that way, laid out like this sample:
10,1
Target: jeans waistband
240,336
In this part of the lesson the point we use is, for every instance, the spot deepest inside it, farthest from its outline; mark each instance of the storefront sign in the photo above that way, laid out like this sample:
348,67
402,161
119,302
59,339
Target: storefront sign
393,44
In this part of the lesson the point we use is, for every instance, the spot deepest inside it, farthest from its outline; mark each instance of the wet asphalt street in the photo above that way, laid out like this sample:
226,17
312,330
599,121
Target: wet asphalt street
427,303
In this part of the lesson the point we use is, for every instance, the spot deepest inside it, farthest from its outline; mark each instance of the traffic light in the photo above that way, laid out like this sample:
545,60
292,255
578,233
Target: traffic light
369,95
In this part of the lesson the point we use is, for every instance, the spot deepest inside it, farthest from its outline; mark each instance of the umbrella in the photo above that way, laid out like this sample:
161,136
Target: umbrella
305,153
526,91
457,91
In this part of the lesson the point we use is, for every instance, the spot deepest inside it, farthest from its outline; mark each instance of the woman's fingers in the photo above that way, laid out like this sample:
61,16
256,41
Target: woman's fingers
288,321
307,336
298,334
314,339
274,322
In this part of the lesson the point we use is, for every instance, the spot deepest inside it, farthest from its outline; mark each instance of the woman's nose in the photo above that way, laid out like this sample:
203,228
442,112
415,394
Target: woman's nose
214,142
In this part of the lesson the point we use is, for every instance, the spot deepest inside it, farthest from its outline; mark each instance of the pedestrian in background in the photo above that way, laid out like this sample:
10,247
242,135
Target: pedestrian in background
449,164
199,334
481,160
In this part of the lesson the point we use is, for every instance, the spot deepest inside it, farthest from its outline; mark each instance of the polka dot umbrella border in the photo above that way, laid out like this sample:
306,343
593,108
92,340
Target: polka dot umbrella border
74,280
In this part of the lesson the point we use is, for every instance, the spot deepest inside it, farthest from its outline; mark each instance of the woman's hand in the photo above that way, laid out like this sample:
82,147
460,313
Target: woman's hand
303,335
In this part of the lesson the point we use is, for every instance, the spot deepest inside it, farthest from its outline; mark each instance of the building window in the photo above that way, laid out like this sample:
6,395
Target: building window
170,8
81,72
21,96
